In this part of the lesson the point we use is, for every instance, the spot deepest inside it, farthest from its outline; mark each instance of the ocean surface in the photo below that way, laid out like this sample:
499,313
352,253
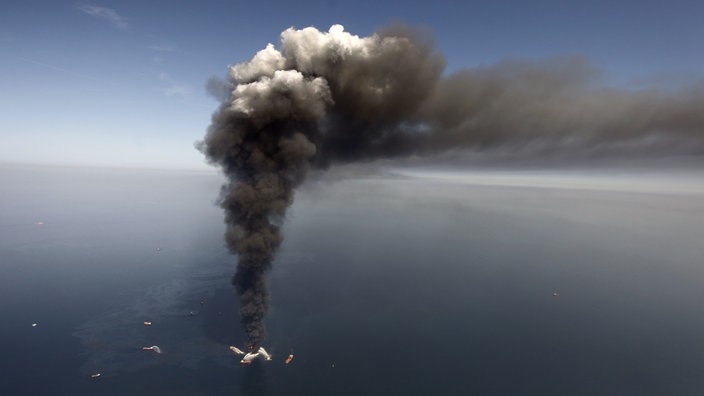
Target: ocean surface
402,281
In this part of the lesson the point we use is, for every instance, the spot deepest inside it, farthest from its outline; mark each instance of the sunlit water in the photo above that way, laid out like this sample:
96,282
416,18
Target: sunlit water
403,282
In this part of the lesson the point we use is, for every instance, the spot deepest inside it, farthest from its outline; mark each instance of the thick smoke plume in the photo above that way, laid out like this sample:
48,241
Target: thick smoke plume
327,97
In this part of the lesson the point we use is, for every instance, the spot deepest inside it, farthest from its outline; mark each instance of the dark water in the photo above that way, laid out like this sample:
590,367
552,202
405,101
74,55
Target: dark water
384,285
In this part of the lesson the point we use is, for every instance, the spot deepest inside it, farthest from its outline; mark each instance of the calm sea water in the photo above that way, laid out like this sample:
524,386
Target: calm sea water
405,283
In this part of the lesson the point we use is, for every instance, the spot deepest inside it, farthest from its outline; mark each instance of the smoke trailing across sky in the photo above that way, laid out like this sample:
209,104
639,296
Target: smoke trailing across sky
327,97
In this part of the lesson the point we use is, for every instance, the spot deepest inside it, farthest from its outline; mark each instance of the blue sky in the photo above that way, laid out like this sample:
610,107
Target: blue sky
121,83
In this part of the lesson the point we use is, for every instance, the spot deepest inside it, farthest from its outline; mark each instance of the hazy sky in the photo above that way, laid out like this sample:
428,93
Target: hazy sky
122,82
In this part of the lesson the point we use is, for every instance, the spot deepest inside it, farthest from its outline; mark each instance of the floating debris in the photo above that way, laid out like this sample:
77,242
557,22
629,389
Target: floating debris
34,325
39,223
555,294
152,348
158,249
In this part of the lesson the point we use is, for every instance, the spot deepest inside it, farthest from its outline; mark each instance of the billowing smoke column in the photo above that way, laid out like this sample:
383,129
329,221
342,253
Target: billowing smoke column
331,96
279,119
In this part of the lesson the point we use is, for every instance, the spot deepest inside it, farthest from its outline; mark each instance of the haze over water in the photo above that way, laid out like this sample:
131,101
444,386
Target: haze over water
407,280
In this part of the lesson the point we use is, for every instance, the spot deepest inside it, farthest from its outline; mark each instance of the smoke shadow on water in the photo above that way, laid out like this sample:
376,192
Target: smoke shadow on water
255,381
452,290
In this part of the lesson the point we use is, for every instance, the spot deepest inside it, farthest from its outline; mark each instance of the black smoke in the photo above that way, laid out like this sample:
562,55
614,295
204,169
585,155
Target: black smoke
327,97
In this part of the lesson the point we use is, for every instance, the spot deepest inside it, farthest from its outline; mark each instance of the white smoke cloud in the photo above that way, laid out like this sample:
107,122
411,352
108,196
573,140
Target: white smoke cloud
264,64
309,48
287,94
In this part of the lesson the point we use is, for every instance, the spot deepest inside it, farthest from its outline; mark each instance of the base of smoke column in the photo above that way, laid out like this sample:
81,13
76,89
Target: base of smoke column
251,354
